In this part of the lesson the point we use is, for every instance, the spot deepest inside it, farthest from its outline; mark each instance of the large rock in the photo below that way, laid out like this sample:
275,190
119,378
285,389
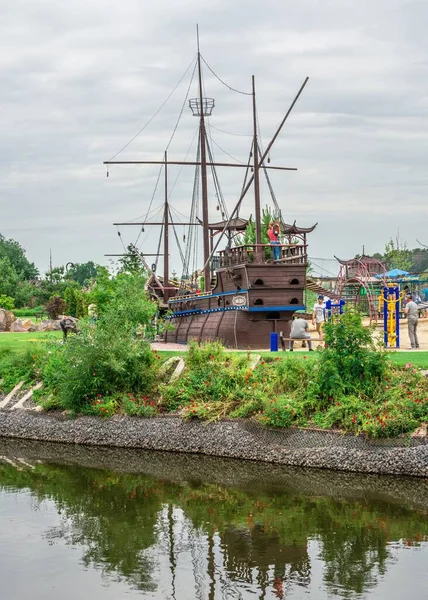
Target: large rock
49,325
6,319
29,325
17,326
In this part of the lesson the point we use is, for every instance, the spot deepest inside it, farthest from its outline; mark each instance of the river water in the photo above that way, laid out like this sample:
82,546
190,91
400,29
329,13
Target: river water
78,523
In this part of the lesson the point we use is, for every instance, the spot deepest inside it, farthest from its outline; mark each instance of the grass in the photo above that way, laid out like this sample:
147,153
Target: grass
19,342
400,359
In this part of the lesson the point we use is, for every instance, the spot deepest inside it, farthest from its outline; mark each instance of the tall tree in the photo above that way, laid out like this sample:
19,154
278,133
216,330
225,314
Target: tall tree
14,252
83,272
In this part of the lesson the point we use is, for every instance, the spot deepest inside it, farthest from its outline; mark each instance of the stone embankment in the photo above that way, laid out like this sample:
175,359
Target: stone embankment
244,439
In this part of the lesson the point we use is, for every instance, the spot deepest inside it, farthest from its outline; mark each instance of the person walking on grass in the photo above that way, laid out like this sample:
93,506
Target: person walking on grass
299,331
411,311
318,315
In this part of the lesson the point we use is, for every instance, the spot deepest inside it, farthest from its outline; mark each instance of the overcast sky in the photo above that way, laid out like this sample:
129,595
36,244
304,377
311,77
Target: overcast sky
79,79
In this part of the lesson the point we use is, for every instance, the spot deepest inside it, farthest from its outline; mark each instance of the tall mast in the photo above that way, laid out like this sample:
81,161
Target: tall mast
256,170
205,221
165,236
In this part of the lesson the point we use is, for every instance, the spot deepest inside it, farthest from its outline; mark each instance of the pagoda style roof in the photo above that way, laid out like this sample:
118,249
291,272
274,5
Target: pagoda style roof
294,229
237,224
362,259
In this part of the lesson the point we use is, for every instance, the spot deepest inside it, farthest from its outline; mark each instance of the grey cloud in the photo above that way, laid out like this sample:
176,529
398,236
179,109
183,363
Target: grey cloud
78,80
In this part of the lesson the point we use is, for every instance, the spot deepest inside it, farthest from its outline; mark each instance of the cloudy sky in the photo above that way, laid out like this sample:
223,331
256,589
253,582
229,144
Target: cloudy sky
79,79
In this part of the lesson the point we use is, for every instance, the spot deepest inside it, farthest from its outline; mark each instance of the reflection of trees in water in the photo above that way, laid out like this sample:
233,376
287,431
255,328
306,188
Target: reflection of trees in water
232,536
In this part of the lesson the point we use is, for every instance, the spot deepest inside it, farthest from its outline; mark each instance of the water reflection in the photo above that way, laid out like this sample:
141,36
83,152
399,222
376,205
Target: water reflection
189,527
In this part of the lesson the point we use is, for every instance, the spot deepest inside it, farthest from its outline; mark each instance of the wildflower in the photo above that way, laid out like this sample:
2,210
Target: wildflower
408,365
152,403
304,357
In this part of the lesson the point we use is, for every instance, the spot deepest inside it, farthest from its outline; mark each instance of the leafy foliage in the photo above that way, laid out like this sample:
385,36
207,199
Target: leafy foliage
83,273
350,364
107,359
15,254
55,307
6,302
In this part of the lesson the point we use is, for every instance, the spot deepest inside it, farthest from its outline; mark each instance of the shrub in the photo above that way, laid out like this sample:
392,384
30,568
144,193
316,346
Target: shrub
350,363
55,307
106,359
6,302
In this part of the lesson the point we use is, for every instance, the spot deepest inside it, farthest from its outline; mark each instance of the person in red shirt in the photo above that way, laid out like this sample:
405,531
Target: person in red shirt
273,235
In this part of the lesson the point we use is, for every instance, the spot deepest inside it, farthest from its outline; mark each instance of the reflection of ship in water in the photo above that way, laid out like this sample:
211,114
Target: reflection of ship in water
255,550
251,289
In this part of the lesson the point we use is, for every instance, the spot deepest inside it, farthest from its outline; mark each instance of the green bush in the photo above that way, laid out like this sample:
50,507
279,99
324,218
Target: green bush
55,307
106,359
350,363
29,312
6,302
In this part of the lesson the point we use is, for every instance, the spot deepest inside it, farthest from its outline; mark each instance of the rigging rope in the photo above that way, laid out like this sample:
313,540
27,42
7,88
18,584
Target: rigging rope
229,155
230,133
223,82
156,113
176,238
158,250
192,235
219,193
182,108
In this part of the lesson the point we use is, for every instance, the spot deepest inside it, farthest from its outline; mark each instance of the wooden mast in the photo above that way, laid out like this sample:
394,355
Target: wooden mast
205,218
166,237
256,171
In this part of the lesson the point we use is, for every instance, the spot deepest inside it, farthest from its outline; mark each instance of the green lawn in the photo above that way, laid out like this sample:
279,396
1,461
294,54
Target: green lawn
17,342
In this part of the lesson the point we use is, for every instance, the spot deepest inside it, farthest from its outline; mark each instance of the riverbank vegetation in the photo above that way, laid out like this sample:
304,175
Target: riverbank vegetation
109,368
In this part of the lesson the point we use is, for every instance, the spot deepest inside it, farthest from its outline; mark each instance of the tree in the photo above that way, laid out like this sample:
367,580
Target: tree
56,275
397,255
82,273
8,277
132,261
14,252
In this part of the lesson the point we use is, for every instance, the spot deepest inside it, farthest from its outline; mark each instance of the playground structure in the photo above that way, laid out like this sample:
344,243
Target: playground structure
359,283
334,308
389,304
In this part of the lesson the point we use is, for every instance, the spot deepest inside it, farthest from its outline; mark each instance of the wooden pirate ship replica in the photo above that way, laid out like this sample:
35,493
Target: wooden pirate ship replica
249,290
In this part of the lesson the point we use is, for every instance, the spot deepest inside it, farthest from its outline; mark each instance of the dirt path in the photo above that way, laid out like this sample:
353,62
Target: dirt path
404,338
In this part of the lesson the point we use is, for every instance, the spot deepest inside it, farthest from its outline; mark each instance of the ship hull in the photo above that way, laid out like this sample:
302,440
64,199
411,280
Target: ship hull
249,302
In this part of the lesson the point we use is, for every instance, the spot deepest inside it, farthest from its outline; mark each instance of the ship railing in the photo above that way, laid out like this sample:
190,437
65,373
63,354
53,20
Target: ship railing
295,254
